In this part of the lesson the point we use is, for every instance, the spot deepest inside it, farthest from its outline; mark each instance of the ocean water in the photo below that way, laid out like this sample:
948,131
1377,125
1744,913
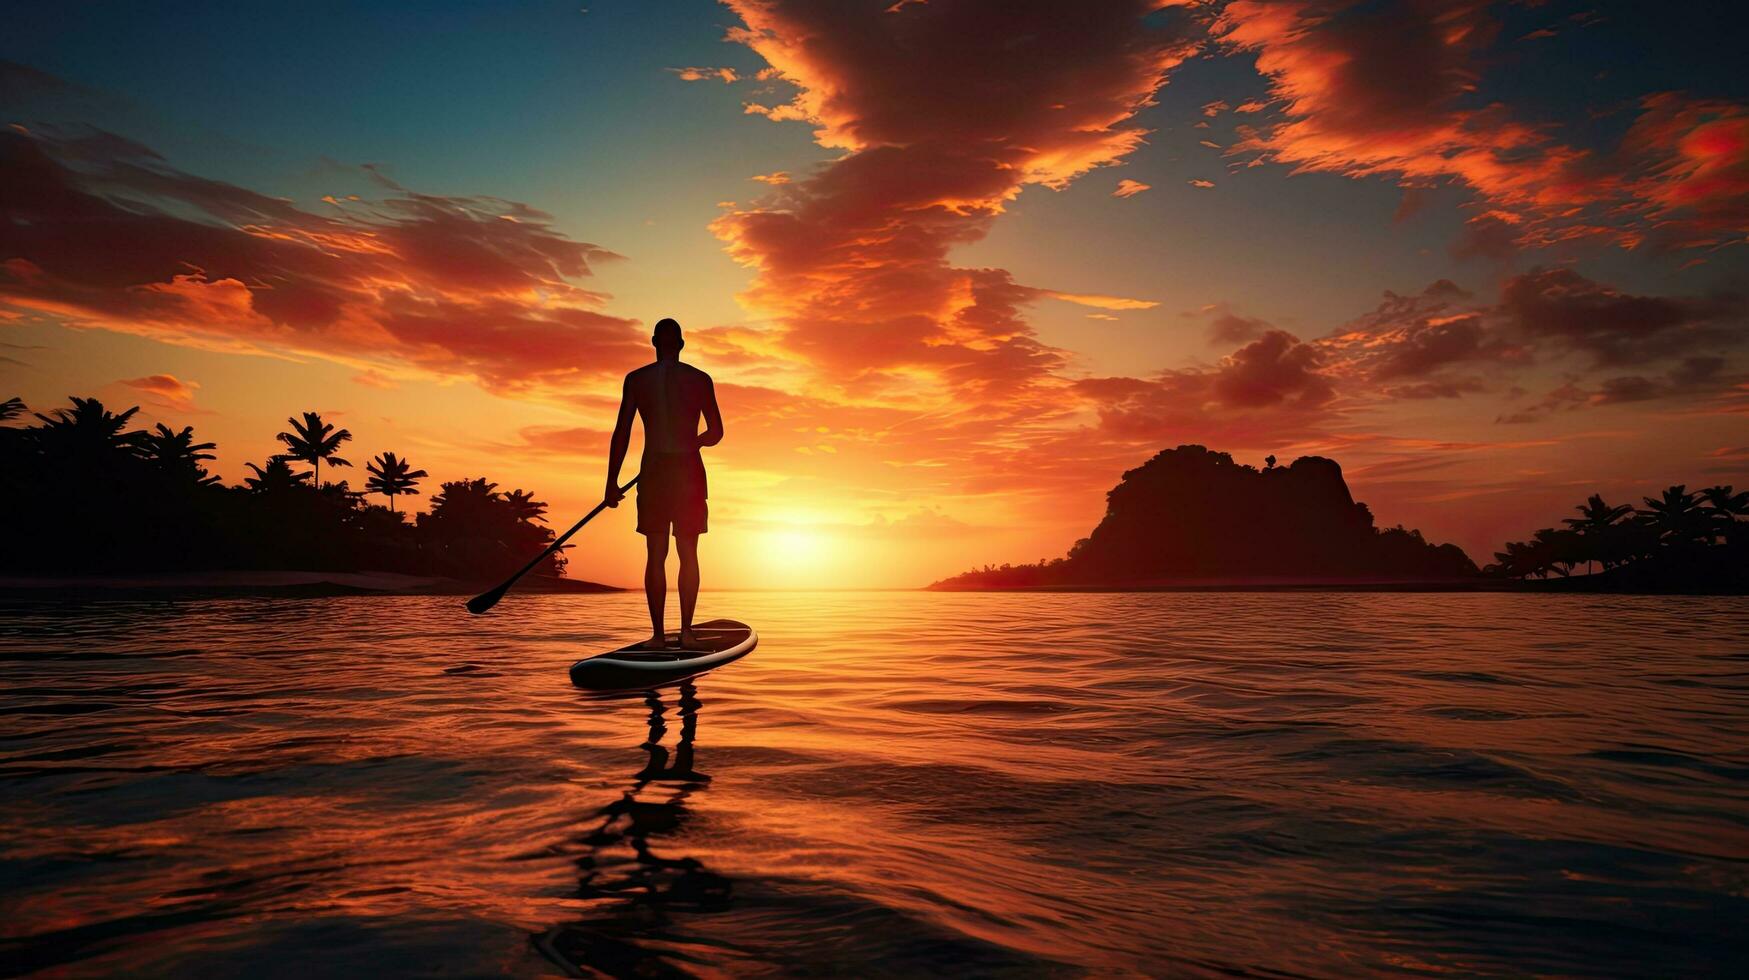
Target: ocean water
893,784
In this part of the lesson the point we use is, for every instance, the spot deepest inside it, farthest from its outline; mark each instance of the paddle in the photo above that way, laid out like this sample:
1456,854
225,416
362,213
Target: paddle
486,600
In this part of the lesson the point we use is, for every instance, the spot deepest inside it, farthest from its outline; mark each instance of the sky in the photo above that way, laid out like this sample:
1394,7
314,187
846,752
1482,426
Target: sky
954,266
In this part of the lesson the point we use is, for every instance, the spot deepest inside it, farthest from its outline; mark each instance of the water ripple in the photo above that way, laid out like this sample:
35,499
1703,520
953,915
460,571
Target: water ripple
893,784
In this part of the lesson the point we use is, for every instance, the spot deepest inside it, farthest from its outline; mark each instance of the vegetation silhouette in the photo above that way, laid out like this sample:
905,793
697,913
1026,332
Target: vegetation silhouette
1678,542
314,440
1192,515
392,477
83,492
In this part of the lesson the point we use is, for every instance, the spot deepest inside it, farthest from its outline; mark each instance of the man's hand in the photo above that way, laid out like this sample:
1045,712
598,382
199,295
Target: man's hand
613,495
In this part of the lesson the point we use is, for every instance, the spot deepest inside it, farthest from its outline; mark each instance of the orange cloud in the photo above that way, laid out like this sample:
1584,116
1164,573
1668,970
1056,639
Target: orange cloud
1383,90
1104,302
1129,188
852,262
477,288
167,391
724,75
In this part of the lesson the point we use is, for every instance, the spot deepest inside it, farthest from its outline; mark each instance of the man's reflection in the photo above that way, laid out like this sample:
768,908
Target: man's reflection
631,889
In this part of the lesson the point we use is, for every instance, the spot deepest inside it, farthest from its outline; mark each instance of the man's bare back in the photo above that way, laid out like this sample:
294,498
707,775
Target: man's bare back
670,398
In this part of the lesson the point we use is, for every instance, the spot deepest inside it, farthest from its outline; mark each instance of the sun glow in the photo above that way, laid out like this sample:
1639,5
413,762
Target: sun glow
794,547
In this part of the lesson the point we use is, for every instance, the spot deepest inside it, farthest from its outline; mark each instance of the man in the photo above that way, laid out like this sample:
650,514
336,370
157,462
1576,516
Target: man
669,396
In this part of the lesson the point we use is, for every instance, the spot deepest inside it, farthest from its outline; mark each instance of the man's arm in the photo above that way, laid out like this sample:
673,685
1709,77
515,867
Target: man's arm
713,418
622,440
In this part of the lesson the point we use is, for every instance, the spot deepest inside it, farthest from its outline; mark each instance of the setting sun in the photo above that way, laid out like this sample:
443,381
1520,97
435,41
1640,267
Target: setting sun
797,547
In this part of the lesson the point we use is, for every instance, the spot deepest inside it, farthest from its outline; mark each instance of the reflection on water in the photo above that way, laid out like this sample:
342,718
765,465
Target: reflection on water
893,784
632,897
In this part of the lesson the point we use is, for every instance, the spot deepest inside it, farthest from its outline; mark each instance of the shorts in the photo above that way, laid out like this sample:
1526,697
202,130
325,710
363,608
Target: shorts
671,491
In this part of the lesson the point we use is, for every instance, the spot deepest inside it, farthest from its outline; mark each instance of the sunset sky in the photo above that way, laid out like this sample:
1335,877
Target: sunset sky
954,266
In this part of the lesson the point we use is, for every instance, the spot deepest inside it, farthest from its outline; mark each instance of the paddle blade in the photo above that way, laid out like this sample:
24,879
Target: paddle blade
486,600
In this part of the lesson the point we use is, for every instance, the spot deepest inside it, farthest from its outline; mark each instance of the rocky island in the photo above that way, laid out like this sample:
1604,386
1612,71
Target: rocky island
1194,517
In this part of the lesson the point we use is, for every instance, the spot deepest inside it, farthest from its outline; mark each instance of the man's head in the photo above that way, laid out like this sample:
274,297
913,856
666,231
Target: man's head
666,337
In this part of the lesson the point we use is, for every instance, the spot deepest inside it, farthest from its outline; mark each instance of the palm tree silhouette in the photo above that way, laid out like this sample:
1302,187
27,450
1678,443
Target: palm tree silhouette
1724,507
88,419
10,409
89,427
1594,522
1556,550
1517,561
391,477
177,452
276,478
314,440
525,507
1676,516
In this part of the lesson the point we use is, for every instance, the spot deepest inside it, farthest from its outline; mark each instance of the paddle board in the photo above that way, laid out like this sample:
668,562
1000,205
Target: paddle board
631,668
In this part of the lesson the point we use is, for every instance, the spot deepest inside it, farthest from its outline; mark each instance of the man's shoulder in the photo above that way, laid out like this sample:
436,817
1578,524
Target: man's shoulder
693,372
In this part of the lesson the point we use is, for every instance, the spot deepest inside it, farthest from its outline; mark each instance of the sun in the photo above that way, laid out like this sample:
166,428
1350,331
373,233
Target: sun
796,546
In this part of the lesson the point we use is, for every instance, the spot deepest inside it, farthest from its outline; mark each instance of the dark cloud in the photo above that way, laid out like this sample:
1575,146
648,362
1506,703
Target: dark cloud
1692,378
1414,338
1628,388
1436,389
1231,328
1488,236
1273,369
1433,344
1560,306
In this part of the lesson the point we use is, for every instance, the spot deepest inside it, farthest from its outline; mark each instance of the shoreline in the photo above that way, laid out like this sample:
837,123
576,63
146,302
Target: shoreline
269,584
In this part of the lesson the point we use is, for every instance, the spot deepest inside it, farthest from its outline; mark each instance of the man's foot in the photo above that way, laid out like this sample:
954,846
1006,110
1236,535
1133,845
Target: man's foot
690,641
656,642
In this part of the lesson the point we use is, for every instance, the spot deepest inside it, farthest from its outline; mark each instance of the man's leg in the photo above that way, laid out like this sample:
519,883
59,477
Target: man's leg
656,584
687,545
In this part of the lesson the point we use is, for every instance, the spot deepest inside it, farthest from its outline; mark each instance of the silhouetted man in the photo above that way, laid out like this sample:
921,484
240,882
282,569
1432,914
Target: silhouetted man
670,397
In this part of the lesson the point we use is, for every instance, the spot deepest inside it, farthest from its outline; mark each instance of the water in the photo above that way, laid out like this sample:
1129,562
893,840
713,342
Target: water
893,784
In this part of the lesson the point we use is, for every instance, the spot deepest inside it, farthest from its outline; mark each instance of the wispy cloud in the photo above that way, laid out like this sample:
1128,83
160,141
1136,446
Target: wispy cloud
724,75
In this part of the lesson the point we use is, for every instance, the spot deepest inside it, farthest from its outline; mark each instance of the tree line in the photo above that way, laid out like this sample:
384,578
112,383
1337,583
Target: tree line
1680,538
83,491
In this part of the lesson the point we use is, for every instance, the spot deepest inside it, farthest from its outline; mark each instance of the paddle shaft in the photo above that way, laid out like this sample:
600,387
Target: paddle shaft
560,541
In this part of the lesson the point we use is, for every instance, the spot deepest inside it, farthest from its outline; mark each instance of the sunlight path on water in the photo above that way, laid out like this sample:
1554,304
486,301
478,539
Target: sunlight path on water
893,783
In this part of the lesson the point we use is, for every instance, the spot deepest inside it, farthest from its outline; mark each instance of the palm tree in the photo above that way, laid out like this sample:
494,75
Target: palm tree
391,477
1676,516
1558,550
89,426
1594,522
465,499
177,452
1724,507
1516,561
276,478
314,440
10,409
525,507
